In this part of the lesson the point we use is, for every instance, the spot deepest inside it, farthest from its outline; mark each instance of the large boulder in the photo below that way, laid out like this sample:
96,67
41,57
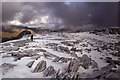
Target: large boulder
41,66
64,49
11,49
49,71
30,64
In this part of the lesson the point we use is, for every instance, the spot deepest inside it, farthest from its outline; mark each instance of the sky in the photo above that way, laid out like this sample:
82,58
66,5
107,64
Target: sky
67,14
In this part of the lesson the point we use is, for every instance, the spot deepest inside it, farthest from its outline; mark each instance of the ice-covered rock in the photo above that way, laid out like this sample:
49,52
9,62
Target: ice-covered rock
30,64
49,71
41,66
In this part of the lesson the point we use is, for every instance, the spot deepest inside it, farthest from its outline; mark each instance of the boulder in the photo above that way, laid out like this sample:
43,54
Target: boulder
35,57
56,59
49,71
30,64
94,64
63,60
41,66
11,49
49,55
64,49
74,55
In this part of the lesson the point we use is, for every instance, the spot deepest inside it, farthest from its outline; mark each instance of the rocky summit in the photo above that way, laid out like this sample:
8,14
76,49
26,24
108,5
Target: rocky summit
62,55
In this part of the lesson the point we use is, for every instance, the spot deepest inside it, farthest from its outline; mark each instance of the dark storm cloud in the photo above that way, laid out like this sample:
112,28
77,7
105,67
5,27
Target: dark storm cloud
103,14
9,10
72,14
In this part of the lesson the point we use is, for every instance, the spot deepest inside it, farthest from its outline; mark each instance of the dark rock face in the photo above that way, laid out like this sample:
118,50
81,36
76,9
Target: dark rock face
64,49
67,43
49,55
41,66
30,64
11,49
76,50
50,71
61,59
101,72
35,57
56,59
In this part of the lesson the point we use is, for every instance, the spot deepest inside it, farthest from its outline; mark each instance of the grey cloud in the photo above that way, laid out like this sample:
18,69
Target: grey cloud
9,10
74,14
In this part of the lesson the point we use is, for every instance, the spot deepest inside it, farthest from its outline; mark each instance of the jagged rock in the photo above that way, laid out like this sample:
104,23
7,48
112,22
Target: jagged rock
109,58
6,55
67,43
19,43
86,65
52,45
31,52
94,64
70,76
49,71
56,74
6,44
112,75
66,49
40,50
30,64
74,55
35,57
86,61
11,49
101,72
48,55
63,59
76,50
6,67
41,66
73,66
56,59
116,62
88,50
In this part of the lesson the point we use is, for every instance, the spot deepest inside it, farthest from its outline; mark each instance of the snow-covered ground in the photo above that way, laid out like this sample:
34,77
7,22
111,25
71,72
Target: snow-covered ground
49,47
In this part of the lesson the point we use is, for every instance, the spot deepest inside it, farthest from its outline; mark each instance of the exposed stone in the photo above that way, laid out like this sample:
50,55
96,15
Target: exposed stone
94,64
74,55
64,49
112,75
73,66
19,44
11,49
35,57
49,71
41,66
101,72
67,43
6,44
49,55
40,50
30,64
63,59
76,50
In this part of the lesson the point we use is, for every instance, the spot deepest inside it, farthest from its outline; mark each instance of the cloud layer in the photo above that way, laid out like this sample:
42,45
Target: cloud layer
70,13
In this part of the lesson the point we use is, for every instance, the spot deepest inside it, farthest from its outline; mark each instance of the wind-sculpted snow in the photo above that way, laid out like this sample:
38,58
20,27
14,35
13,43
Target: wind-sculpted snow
61,55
